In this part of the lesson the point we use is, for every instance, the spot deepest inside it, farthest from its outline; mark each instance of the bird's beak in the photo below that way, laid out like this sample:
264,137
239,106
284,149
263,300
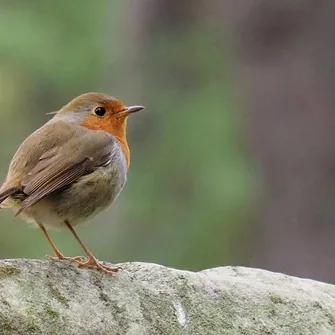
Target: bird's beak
131,110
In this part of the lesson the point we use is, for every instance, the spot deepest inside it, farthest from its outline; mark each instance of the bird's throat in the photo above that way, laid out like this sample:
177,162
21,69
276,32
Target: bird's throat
120,133
117,129
125,148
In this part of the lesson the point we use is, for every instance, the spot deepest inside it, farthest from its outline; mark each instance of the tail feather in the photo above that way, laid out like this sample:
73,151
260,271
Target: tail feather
7,192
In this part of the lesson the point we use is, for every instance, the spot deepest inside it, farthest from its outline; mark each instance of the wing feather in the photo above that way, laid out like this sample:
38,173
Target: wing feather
57,169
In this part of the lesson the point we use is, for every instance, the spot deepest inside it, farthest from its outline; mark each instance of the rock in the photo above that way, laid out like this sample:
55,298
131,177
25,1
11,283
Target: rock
44,297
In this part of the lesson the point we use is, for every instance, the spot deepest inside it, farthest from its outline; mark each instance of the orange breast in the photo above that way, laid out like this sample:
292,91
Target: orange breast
113,126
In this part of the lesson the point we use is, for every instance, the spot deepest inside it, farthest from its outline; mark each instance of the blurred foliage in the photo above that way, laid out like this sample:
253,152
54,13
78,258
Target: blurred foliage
191,186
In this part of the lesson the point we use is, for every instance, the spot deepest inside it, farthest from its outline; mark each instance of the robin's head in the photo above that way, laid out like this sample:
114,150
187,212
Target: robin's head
98,111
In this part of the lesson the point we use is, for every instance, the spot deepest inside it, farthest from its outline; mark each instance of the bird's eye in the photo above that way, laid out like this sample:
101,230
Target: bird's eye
100,111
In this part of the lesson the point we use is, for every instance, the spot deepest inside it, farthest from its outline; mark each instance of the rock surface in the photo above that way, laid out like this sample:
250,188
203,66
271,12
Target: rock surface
43,297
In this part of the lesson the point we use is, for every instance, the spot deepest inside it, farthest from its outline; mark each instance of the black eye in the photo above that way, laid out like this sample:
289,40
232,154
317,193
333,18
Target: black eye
100,111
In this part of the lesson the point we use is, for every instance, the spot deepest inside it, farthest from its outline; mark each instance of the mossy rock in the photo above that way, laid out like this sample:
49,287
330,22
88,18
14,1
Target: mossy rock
44,297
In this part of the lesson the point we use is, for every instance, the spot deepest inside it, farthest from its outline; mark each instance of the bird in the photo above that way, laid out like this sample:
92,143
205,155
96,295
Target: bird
70,169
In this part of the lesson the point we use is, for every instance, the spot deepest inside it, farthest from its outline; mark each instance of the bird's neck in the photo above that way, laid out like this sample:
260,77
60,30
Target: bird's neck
124,146
119,131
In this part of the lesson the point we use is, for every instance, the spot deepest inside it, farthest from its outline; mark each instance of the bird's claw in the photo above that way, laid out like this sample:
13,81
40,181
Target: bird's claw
93,262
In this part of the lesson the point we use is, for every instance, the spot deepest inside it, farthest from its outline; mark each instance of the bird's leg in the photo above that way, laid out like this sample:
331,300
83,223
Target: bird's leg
58,254
92,261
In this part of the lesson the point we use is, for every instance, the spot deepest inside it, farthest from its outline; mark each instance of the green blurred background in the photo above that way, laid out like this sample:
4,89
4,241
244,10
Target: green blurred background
190,185
232,159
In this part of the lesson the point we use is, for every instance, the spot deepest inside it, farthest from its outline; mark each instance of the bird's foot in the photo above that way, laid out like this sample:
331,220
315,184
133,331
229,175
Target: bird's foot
93,262
60,257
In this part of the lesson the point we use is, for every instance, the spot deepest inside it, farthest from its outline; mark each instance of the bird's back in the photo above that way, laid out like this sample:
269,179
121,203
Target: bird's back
37,144
93,190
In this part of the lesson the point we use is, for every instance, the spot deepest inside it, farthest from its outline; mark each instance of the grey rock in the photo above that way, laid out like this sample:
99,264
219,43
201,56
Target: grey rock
44,297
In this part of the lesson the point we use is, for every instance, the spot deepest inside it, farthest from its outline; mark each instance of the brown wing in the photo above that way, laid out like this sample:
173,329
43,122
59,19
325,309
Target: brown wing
62,166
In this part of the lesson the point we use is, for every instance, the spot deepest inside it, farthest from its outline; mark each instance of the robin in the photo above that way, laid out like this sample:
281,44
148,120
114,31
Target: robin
71,168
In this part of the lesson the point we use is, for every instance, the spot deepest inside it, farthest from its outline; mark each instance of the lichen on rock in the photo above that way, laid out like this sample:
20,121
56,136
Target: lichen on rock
44,297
